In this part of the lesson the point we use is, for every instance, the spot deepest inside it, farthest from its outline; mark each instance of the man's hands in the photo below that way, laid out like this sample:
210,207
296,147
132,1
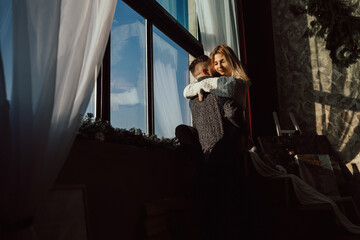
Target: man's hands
201,94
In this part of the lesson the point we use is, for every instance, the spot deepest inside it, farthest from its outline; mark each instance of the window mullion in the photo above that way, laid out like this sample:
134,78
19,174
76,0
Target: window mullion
103,87
152,10
150,77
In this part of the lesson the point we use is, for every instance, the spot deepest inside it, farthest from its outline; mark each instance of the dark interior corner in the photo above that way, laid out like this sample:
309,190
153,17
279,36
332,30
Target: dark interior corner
261,65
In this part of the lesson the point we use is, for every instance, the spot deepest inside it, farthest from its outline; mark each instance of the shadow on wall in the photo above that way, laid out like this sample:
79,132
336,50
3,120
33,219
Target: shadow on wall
293,68
338,112
324,98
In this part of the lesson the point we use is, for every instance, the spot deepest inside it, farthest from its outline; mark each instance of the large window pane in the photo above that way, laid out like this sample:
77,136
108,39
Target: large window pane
171,76
184,12
128,82
6,45
178,9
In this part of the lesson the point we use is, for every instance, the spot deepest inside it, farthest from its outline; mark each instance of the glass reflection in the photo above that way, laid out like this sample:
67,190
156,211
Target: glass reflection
178,9
128,82
6,44
171,76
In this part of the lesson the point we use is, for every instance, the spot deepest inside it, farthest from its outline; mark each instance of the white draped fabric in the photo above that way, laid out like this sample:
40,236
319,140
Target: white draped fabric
218,24
167,103
306,194
170,6
168,114
57,45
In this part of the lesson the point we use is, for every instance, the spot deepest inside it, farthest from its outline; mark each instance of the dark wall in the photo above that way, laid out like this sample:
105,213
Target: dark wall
119,180
261,65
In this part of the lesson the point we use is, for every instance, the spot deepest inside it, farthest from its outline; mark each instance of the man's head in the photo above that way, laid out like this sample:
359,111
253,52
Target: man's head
201,67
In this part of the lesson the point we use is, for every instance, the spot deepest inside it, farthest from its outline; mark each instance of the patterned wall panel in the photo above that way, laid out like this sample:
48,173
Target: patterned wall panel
324,98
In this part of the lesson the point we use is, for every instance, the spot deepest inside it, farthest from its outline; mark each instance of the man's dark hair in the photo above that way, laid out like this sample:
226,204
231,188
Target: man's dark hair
201,59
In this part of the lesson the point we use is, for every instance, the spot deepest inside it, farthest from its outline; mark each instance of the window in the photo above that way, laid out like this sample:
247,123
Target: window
178,9
128,104
171,76
145,67
6,43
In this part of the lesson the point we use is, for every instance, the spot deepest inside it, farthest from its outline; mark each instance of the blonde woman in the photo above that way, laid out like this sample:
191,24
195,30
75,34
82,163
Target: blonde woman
226,63
233,81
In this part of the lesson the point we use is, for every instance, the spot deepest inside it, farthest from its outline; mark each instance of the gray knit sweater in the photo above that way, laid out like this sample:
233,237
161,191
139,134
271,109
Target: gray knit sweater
207,120
229,87
213,116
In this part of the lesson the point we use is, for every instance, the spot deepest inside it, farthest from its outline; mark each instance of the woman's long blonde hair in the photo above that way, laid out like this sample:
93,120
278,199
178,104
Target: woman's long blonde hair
234,62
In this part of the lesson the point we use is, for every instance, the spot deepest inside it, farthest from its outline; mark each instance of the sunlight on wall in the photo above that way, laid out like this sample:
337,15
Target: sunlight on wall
337,99
356,161
320,63
322,120
350,122
351,87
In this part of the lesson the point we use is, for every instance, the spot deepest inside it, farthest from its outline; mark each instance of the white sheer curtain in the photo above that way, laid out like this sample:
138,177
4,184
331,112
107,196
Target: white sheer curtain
57,45
218,24
170,6
168,114
306,194
167,104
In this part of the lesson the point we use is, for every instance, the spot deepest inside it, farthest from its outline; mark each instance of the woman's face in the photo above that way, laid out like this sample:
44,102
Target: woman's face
221,65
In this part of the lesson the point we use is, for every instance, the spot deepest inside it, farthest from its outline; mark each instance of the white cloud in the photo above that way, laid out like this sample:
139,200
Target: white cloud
120,36
125,98
120,83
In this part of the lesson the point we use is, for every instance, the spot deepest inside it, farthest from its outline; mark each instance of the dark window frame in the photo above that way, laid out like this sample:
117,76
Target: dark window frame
155,15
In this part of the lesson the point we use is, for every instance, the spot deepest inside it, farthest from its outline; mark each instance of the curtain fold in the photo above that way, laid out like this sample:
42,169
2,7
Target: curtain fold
304,193
57,45
167,104
218,24
166,95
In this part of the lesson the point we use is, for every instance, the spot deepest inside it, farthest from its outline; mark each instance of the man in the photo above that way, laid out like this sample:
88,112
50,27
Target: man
210,81
221,110
213,144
